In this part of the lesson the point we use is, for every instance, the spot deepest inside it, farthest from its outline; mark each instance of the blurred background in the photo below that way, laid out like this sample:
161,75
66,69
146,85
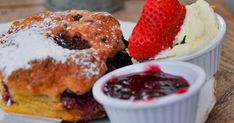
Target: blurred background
128,10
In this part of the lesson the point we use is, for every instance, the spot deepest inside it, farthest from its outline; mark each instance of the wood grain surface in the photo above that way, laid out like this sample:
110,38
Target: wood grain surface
223,111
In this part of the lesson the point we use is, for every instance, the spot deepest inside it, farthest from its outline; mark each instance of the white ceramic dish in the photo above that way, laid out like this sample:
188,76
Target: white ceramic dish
204,107
174,108
208,57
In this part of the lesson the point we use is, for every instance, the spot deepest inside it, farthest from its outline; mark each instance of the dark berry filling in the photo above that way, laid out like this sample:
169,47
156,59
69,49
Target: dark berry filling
104,40
77,17
121,59
71,43
6,97
85,104
1,41
145,85
125,41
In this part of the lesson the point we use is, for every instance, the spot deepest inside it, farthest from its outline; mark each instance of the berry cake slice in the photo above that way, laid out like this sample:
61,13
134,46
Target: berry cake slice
50,61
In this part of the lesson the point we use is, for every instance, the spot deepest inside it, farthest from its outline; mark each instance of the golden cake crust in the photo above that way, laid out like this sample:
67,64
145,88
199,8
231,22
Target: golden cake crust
43,83
47,77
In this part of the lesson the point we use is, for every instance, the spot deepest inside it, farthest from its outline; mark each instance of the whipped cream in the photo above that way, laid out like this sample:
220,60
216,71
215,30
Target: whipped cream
199,28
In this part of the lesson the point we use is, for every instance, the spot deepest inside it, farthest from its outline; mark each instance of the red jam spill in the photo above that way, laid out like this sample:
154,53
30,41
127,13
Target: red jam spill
147,86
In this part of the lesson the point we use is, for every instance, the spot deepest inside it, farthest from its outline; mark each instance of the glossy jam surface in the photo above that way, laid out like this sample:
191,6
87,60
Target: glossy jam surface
153,83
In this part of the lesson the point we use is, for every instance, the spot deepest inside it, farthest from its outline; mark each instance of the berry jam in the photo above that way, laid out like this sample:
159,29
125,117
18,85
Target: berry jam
71,43
153,83
84,105
6,97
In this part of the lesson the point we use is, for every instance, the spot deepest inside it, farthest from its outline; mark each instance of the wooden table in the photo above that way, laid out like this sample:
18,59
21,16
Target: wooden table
223,112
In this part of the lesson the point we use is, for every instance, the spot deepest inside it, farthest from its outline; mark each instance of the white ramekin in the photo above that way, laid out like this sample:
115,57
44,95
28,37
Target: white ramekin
208,57
169,109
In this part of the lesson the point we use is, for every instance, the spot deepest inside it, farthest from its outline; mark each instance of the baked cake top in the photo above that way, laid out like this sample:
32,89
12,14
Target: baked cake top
68,48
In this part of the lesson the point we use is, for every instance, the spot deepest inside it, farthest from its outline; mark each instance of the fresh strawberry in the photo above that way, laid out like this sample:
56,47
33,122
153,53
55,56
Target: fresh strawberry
156,29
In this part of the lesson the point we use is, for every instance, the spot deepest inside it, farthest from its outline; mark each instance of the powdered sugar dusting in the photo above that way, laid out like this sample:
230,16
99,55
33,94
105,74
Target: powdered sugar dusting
27,45
33,40
103,13
17,50
88,61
